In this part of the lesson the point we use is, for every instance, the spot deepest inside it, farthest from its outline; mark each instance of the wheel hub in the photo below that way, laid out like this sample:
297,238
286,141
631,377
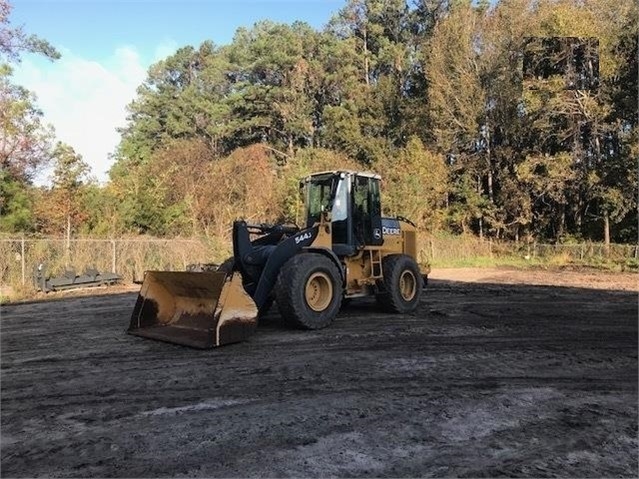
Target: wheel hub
319,291
407,285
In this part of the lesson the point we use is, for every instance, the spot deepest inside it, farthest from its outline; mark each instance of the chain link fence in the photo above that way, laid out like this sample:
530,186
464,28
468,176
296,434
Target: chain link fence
129,258
455,249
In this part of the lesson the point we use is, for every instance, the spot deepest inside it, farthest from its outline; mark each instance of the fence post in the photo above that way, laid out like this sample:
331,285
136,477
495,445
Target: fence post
113,258
432,250
23,262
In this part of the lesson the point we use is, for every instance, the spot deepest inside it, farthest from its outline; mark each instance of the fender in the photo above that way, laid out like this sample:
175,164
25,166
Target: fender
284,251
333,257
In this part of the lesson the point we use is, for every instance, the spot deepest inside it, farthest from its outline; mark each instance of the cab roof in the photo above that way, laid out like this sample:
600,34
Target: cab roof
367,174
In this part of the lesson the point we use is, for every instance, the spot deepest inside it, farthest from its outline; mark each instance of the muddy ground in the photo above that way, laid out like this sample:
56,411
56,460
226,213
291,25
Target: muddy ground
491,377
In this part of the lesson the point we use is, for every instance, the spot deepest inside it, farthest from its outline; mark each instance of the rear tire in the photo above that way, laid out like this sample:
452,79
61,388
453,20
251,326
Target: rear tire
401,286
309,291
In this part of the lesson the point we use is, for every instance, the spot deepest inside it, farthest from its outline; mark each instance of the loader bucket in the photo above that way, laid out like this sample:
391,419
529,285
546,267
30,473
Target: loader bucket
201,310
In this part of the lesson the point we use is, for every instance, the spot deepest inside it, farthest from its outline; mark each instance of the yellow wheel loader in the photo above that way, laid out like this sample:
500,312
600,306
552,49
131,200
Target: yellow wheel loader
346,250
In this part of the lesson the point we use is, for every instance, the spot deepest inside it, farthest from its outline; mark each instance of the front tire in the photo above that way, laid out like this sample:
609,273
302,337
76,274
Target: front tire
401,286
309,291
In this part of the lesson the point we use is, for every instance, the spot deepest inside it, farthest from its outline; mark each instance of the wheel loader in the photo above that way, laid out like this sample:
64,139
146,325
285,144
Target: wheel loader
346,249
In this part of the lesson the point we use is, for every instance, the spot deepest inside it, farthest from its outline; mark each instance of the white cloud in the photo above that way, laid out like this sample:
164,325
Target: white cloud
85,100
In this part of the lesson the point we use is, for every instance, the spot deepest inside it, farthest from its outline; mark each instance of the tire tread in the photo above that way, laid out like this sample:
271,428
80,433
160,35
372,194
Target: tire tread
389,298
292,305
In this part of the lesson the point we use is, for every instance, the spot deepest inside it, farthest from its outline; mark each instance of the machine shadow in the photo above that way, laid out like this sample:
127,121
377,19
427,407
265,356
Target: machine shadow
441,298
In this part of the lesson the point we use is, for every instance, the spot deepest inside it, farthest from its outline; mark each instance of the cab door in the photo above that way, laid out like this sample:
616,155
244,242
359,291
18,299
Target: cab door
367,211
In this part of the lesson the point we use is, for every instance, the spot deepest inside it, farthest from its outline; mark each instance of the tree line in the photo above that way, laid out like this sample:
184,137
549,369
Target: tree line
514,120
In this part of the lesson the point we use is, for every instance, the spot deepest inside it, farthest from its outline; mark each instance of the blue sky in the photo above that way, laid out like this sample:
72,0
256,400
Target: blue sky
94,28
108,45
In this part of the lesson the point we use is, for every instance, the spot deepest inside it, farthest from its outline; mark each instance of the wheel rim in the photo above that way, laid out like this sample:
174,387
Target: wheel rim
319,291
407,285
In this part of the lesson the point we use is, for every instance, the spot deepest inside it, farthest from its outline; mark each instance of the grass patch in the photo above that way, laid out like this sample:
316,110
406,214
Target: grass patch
553,262
488,262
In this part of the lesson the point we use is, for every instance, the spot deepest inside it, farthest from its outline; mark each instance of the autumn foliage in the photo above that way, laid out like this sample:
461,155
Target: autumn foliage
513,119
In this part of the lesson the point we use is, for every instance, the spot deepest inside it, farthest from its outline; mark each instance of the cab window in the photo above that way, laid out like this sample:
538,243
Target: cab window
318,197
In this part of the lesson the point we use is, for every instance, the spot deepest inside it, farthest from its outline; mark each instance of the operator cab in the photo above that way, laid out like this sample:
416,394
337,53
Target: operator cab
353,199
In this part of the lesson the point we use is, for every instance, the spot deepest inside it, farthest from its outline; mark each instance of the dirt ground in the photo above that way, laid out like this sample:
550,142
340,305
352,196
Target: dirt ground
499,373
